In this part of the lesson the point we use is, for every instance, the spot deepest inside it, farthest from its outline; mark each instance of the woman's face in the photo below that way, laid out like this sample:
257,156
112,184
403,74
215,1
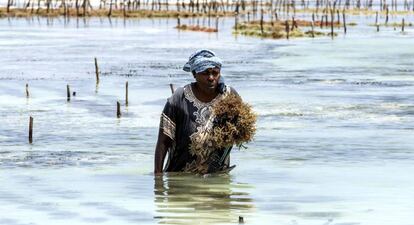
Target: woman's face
208,79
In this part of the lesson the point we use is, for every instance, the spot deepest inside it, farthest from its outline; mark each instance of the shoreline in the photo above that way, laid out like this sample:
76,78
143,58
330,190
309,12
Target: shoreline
116,13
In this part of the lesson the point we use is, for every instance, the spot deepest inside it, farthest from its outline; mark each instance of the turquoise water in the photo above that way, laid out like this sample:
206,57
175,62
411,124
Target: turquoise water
335,127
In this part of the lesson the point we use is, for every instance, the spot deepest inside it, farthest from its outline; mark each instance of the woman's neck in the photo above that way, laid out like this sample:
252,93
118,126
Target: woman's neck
203,95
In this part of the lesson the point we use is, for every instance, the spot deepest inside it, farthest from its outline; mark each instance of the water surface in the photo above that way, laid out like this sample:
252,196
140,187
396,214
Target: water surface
334,142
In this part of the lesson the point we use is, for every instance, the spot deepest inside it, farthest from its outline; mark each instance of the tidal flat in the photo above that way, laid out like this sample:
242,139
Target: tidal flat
334,135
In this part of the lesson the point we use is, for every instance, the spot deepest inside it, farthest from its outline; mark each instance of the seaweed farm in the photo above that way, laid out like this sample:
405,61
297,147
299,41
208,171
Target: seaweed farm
334,102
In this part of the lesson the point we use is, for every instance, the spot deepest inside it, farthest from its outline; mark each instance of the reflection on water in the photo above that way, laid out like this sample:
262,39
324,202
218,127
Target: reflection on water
183,198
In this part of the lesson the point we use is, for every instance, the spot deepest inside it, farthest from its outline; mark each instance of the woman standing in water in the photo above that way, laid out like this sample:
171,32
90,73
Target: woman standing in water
187,116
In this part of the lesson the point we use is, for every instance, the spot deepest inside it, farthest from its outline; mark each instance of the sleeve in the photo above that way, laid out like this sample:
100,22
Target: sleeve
167,121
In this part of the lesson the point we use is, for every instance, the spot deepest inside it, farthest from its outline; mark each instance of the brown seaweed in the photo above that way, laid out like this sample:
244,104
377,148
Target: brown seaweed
234,124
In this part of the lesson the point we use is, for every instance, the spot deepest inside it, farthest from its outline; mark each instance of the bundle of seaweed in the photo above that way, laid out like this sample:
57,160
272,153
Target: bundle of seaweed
234,124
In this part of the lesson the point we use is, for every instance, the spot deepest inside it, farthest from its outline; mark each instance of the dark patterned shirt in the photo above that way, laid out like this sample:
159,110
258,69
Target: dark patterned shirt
185,119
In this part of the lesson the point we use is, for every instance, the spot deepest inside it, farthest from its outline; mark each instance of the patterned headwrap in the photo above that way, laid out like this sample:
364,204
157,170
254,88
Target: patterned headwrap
194,56
203,63
202,60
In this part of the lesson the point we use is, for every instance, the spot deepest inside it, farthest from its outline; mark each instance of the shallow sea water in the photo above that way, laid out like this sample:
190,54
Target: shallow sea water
335,126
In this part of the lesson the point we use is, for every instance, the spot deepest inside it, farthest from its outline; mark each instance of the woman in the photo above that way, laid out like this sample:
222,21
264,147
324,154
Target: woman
187,116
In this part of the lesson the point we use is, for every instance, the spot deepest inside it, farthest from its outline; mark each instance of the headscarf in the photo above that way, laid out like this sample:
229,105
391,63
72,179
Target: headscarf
194,56
201,64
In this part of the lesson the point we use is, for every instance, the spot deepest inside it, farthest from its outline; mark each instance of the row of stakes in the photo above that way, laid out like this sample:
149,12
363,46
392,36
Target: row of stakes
118,105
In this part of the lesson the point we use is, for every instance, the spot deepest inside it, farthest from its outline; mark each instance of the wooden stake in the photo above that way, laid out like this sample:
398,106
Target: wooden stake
68,92
217,23
386,16
261,23
332,23
27,91
321,24
241,220
339,17
287,29
236,19
9,3
313,24
403,25
110,9
376,21
172,88
96,70
294,24
118,109
126,93
343,17
30,130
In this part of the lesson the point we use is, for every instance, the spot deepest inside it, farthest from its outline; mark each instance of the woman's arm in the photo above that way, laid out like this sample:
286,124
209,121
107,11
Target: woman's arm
163,144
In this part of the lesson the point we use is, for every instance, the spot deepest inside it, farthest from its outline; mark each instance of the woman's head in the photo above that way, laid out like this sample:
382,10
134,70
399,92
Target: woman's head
205,67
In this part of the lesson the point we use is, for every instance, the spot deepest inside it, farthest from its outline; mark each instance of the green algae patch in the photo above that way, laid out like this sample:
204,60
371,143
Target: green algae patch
282,29
196,28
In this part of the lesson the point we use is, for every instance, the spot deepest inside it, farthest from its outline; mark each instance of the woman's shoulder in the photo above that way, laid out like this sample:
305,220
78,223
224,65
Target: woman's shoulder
231,90
178,95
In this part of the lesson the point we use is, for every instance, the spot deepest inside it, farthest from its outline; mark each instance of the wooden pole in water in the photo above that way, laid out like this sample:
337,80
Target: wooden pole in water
321,22
332,23
236,20
261,23
217,23
126,93
386,16
376,21
68,92
313,29
110,9
241,220
172,88
96,71
343,17
287,29
403,25
9,3
294,24
124,8
339,17
118,109
27,91
30,130
313,24
178,21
